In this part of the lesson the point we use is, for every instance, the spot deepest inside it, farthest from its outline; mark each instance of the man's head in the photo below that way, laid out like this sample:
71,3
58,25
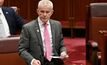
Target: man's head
1,2
45,10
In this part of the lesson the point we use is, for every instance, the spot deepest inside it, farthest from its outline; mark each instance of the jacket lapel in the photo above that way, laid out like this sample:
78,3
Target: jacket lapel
52,31
5,12
38,34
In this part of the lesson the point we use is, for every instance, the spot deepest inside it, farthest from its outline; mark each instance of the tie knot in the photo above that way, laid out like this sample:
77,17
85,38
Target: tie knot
45,24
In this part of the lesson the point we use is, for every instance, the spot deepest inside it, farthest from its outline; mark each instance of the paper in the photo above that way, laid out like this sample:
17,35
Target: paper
55,56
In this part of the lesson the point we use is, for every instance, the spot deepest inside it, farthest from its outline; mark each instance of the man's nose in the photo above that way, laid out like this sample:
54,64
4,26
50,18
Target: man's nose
44,14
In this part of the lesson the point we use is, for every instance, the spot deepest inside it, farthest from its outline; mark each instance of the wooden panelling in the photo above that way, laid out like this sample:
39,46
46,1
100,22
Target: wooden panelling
80,13
22,5
61,10
32,9
73,11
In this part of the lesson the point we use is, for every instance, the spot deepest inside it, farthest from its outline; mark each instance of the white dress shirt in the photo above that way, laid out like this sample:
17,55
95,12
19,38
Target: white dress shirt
4,28
41,26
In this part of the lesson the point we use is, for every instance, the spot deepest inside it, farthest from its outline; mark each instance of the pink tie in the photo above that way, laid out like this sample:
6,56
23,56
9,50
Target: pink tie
48,48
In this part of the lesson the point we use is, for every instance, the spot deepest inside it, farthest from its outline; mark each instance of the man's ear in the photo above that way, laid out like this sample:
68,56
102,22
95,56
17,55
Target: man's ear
37,11
52,12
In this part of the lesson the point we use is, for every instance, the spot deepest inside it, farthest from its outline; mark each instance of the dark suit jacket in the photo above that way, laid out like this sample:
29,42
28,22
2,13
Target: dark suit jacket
14,21
31,45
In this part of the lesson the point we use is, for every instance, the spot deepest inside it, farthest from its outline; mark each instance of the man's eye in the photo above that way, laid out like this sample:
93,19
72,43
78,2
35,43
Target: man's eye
47,11
42,11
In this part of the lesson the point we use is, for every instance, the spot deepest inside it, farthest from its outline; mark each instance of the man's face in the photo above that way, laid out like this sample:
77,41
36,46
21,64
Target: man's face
44,13
1,2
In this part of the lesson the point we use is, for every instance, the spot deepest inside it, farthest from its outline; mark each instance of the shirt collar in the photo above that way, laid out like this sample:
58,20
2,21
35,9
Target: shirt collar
41,23
0,10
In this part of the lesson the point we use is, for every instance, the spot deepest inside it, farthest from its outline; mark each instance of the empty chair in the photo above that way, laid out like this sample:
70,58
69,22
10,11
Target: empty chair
95,23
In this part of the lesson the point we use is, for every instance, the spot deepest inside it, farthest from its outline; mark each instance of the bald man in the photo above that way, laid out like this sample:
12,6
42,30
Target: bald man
32,46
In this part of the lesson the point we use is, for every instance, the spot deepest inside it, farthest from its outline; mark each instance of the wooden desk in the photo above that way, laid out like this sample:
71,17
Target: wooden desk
9,52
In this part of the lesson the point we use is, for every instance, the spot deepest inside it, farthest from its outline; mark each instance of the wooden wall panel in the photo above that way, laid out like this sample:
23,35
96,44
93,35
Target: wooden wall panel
80,11
32,9
67,10
61,9
22,5
28,8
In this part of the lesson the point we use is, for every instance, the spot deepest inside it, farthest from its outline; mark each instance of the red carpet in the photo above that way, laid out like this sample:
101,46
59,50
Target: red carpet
76,51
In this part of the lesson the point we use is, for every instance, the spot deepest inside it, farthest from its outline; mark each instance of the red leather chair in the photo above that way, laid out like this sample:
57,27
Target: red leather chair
96,22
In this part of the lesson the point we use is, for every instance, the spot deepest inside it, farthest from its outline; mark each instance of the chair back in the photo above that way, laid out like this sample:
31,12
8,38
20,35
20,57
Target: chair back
97,22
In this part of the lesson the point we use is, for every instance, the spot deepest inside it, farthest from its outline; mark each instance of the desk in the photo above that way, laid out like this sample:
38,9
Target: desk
9,52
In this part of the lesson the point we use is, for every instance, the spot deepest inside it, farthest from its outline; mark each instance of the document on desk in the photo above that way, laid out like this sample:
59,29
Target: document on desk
55,56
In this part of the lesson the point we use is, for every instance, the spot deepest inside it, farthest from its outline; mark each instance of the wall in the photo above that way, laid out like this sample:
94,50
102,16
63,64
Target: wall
73,11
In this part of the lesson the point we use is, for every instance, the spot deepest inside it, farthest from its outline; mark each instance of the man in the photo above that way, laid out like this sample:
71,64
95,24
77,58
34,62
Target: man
33,44
10,22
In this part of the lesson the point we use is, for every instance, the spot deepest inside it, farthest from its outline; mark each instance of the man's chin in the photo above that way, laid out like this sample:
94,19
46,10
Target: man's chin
45,20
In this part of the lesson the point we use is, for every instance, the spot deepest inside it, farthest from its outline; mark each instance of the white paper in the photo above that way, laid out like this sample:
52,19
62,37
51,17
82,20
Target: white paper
55,56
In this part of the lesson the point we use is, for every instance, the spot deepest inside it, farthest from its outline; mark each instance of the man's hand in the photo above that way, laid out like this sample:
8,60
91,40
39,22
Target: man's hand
64,55
36,62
